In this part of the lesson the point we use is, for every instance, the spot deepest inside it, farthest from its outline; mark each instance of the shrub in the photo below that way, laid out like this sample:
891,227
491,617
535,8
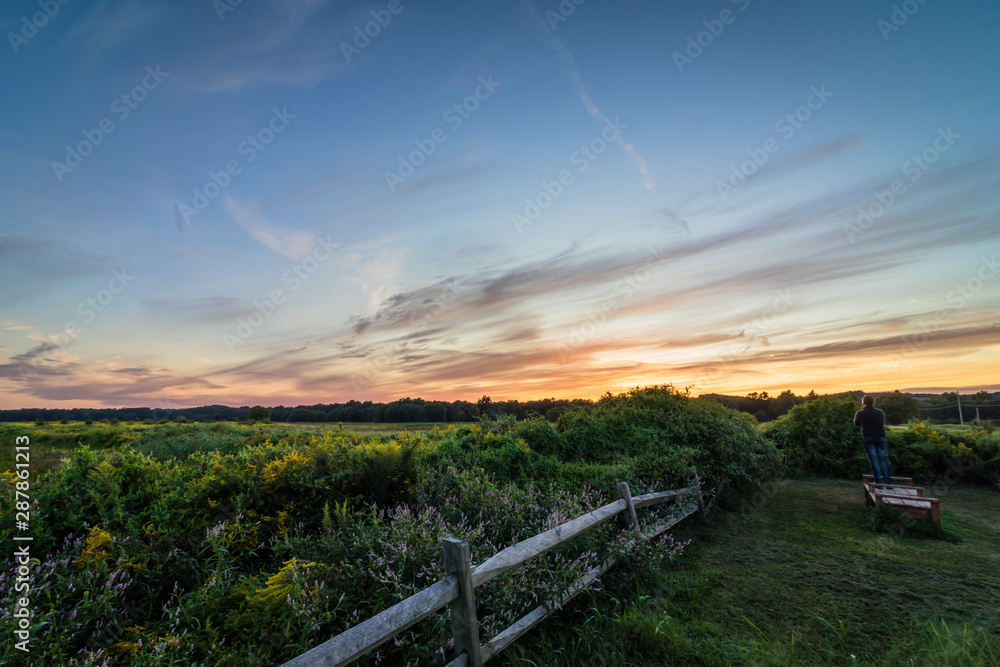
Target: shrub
931,454
669,432
820,437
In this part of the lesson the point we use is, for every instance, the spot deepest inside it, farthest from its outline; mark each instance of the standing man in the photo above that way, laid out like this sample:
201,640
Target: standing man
872,423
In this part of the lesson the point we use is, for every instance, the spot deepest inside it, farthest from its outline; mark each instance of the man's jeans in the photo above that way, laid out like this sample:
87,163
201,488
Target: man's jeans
877,456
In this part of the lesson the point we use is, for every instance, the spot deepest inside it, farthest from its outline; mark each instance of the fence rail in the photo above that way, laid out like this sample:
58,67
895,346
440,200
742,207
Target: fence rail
456,590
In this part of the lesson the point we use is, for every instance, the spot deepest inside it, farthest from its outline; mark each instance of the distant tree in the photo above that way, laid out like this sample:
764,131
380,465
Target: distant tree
485,405
785,401
301,414
436,412
899,408
259,413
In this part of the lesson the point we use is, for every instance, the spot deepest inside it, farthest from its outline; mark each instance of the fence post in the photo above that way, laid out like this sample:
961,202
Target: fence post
702,515
631,521
464,625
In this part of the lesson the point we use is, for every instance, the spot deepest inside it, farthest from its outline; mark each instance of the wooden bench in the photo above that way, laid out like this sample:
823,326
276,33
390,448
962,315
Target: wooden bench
902,496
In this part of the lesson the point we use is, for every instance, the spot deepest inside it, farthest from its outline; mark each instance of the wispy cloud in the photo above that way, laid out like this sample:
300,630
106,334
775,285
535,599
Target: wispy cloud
572,73
31,265
291,243
205,310
108,25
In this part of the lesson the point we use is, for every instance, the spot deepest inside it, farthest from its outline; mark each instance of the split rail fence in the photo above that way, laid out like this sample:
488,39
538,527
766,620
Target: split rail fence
457,590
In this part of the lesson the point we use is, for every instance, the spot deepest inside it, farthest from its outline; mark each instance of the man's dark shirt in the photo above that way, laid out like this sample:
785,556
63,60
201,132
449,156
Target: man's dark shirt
872,422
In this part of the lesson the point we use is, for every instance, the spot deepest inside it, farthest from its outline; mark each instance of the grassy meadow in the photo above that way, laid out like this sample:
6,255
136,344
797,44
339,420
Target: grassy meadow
800,580
249,543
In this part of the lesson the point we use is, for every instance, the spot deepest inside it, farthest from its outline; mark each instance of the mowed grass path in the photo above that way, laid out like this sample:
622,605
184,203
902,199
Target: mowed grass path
800,580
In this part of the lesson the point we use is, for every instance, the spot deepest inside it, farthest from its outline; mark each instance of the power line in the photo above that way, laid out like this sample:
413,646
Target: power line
964,405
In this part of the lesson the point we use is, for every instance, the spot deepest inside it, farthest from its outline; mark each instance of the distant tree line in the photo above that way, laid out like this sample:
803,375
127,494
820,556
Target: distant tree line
761,405
402,410
899,408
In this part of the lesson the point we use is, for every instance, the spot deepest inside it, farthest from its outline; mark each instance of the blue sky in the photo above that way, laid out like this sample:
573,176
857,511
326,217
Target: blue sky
261,203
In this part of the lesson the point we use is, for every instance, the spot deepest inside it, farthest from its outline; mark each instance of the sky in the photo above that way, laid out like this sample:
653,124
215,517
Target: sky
287,202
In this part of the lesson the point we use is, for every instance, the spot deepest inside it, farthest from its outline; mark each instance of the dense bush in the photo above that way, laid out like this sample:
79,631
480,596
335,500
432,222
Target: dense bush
820,437
654,438
669,434
252,554
936,455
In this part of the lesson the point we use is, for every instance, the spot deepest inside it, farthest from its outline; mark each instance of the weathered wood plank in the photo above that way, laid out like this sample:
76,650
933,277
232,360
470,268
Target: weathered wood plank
700,499
460,661
715,497
533,547
355,642
351,644
464,624
538,614
895,480
924,499
648,499
631,521
673,521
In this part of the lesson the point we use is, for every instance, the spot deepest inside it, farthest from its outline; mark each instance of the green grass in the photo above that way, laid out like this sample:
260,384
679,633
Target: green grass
53,443
802,580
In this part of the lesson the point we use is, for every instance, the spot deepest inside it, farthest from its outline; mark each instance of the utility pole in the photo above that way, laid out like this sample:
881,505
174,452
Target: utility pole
960,420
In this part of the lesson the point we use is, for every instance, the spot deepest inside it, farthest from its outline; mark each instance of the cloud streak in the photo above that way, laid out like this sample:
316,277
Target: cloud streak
572,73
290,243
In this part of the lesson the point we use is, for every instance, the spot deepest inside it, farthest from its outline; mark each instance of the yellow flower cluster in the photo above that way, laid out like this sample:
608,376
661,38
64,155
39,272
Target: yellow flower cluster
282,584
94,552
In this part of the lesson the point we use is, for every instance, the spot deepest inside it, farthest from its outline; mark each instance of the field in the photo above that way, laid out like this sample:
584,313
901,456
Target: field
801,580
234,544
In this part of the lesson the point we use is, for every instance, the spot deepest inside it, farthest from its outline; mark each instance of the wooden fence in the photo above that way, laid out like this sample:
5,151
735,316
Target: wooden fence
457,590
